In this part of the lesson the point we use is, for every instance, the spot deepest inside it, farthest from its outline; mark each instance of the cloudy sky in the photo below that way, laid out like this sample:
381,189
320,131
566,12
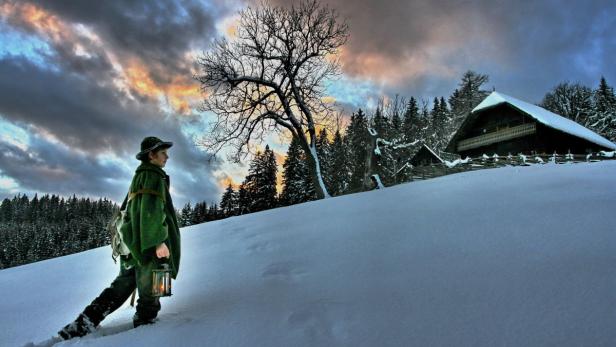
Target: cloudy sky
83,82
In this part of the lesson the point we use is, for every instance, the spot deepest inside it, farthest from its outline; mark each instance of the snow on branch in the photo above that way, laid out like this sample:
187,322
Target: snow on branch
392,145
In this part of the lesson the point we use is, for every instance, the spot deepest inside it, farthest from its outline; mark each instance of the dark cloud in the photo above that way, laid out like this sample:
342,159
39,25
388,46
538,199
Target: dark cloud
158,32
46,167
72,108
78,102
146,44
422,48
89,119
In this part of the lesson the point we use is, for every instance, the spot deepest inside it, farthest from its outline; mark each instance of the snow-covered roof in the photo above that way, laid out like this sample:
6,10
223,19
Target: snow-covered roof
431,151
546,117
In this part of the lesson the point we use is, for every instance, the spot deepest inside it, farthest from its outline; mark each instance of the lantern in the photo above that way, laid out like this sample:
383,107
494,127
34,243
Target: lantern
161,281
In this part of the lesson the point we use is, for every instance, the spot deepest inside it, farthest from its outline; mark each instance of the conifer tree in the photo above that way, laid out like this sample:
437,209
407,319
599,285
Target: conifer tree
251,180
213,213
396,124
228,202
573,101
411,129
260,183
447,119
603,120
358,137
410,123
243,200
466,97
184,219
437,124
380,123
425,122
268,191
294,189
199,214
45,227
339,170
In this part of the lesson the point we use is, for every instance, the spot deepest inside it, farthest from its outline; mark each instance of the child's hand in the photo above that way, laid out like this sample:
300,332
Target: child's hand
162,251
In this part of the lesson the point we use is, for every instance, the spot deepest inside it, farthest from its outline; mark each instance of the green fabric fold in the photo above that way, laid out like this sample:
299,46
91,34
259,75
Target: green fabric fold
151,219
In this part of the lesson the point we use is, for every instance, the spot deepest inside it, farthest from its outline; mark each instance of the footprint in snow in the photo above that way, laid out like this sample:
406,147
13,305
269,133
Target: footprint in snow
259,247
286,270
322,321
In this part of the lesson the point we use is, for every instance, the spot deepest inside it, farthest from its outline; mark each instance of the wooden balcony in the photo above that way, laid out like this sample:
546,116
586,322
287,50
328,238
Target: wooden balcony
497,136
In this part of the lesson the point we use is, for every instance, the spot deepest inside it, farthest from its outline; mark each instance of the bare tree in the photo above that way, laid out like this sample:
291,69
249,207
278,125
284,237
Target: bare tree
270,77
387,155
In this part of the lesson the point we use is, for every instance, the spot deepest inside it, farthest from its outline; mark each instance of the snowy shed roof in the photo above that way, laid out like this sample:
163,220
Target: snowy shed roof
545,117
431,151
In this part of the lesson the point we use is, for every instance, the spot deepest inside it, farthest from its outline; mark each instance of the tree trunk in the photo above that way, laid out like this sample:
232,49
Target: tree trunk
371,162
314,167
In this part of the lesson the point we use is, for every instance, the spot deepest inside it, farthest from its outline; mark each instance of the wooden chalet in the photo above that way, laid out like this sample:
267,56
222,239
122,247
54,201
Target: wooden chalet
505,125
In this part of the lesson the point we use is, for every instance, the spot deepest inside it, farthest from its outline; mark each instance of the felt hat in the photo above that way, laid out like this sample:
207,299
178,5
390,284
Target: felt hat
151,143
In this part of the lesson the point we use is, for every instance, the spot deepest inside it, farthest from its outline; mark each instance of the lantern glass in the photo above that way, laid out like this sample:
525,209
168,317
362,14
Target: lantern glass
161,281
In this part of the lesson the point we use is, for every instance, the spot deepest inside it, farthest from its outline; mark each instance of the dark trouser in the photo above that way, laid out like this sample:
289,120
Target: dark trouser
121,288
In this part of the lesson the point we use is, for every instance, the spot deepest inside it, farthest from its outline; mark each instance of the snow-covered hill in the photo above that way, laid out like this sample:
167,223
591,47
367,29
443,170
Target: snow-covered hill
515,256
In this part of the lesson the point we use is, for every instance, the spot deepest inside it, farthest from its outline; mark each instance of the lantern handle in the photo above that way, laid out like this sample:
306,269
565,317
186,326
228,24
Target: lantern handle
164,262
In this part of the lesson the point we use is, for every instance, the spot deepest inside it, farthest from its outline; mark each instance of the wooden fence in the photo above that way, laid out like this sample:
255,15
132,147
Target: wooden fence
486,162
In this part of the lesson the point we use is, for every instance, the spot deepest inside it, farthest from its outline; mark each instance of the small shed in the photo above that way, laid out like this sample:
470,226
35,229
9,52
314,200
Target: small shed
426,156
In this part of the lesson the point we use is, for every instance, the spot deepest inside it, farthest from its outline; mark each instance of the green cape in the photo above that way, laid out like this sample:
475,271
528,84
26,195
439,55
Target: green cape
150,219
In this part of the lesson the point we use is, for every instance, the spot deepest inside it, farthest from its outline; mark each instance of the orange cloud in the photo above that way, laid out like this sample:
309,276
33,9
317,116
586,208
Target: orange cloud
395,69
138,78
229,26
328,99
226,180
444,46
36,19
180,93
231,30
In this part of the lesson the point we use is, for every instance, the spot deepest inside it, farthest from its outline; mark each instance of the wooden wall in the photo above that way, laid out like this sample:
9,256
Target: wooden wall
545,140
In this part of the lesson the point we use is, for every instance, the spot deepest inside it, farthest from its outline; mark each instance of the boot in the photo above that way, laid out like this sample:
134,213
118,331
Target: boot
138,320
80,327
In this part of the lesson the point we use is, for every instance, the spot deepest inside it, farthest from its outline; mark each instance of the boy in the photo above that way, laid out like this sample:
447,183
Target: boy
150,232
